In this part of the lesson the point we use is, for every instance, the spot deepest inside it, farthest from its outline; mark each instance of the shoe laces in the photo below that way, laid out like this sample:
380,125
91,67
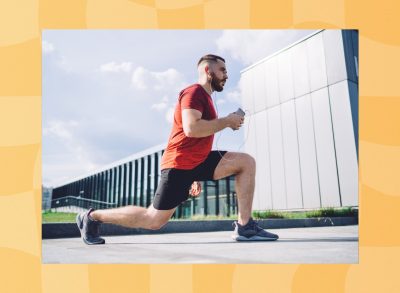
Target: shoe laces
254,225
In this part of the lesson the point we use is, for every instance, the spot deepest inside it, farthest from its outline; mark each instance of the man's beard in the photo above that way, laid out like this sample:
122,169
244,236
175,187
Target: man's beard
216,83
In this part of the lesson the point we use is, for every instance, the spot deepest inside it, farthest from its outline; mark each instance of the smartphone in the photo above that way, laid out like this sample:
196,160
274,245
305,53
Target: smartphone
240,112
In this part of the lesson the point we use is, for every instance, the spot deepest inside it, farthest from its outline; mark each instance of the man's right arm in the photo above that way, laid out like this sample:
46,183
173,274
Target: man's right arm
194,126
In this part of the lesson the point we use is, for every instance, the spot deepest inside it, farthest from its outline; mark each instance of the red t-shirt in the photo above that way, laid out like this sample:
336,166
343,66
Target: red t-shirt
184,152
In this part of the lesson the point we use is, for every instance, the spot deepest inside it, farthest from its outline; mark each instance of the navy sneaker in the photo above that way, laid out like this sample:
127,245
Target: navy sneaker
252,232
89,228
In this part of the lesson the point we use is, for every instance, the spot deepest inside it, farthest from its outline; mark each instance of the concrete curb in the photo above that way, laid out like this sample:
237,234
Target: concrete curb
68,230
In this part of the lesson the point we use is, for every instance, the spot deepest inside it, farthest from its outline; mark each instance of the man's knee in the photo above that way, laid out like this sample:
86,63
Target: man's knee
155,220
249,161
157,224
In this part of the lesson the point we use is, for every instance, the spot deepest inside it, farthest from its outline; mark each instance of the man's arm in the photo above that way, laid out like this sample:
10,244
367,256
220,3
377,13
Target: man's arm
194,126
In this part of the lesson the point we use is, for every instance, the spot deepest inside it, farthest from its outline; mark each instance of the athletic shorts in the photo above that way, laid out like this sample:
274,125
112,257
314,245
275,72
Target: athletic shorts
175,184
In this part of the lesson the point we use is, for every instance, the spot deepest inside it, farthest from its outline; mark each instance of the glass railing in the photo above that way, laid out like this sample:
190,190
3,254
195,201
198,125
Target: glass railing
77,201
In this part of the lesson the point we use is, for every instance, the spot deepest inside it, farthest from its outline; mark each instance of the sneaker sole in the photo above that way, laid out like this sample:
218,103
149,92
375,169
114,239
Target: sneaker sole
93,243
79,222
253,238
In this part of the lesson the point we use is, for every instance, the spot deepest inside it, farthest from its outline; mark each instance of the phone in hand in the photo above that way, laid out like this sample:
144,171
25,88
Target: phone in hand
240,112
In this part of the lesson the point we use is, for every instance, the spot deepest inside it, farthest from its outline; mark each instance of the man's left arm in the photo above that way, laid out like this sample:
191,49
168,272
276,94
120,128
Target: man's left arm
194,126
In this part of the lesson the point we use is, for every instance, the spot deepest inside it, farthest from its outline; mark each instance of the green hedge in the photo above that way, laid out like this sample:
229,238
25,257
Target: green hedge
325,212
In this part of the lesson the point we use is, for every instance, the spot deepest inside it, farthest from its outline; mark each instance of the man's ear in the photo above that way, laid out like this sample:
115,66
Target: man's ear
208,71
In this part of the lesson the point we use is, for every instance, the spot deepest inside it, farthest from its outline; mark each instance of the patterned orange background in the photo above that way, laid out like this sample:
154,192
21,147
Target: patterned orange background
21,22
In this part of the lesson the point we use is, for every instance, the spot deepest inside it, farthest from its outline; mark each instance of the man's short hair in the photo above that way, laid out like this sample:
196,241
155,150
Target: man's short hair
210,57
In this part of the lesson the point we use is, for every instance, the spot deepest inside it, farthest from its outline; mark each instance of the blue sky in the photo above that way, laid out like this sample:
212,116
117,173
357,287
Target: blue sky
110,93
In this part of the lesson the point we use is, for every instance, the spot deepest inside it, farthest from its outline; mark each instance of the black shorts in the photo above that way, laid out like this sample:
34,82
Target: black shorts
175,184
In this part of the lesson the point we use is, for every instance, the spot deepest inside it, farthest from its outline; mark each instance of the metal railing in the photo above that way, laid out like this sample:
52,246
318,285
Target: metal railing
81,202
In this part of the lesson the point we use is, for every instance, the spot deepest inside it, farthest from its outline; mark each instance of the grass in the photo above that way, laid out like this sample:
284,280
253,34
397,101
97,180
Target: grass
325,212
56,217
331,212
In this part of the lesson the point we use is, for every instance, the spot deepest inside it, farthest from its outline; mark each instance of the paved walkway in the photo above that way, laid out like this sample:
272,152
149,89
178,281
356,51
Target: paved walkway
297,245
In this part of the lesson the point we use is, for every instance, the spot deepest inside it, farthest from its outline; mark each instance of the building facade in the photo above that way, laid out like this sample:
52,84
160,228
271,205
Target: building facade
46,198
133,181
302,123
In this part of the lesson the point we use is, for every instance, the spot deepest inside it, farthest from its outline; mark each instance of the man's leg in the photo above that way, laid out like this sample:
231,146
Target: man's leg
171,191
130,216
244,167
134,217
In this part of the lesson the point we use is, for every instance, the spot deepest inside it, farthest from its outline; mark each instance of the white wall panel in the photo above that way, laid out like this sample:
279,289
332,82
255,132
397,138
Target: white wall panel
344,141
271,82
316,62
334,56
285,76
325,148
276,156
246,86
302,134
301,81
260,96
251,148
250,134
307,152
291,156
263,176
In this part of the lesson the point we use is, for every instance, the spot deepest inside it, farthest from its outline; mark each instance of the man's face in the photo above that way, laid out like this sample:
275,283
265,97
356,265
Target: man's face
219,76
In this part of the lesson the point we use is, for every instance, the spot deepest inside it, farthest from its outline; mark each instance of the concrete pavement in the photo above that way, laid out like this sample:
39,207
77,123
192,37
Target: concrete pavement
296,245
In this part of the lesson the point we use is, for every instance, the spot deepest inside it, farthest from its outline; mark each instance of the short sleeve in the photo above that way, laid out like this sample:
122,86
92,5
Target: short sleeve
192,100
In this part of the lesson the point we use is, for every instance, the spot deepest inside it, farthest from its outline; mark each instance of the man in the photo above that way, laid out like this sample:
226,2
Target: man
187,159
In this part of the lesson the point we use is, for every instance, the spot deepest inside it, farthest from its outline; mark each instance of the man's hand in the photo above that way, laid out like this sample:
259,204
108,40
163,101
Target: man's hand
235,121
195,189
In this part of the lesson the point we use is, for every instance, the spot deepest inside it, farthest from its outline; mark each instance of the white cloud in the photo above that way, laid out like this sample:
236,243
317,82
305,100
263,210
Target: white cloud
54,55
63,168
249,46
168,80
116,67
63,64
73,156
169,116
221,101
159,106
60,129
235,94
140,78
47,47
